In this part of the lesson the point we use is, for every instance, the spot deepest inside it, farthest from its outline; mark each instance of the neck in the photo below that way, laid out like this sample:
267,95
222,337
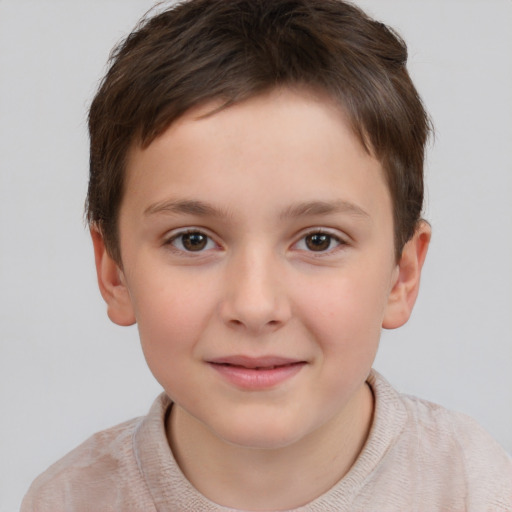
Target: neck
276,479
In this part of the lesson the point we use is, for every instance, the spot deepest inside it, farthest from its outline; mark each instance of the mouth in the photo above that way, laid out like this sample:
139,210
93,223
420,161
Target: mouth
256,373
256,363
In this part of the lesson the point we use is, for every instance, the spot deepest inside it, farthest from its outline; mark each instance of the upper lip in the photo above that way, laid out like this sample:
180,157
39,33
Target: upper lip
255,362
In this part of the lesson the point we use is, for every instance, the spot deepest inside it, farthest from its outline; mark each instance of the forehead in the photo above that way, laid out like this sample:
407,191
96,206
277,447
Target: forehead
290,144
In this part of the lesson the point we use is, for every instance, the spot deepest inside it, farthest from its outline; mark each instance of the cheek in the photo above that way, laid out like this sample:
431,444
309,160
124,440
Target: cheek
345,311
171,317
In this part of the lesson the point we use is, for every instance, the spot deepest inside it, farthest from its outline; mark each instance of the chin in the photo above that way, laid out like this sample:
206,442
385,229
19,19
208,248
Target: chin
261,436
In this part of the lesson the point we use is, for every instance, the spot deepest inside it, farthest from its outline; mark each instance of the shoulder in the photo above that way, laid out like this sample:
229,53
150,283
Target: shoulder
462,453
95,474
452,430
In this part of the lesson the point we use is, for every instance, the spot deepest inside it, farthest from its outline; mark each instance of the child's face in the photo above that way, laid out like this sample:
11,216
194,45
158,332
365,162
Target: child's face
258,261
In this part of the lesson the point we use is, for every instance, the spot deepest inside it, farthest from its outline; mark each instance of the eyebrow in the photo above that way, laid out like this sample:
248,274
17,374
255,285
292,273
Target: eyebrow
308,208
324,208
186,206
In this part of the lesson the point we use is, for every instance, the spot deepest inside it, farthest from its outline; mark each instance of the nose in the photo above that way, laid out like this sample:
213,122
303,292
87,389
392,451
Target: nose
255,298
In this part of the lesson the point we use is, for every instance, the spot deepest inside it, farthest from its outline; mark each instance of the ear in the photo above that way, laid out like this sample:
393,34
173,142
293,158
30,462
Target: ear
407,282
111,282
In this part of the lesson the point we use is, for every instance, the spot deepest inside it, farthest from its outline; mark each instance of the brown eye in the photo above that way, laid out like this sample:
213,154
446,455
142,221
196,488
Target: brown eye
192,241
318,241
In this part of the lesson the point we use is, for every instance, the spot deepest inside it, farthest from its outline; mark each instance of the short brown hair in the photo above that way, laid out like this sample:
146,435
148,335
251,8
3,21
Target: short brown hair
203,50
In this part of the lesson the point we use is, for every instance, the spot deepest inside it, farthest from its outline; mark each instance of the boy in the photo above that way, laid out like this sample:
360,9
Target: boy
255,206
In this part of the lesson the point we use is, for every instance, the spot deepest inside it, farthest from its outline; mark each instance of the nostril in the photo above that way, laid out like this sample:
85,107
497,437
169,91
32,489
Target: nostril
239,323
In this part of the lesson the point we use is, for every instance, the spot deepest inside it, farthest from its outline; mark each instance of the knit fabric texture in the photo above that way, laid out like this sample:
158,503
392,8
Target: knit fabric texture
418,457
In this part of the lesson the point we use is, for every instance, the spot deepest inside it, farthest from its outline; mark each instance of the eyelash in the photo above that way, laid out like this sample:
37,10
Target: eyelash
331,237
193,231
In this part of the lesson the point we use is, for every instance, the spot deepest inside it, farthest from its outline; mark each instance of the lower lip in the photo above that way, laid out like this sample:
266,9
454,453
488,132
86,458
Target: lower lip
257,379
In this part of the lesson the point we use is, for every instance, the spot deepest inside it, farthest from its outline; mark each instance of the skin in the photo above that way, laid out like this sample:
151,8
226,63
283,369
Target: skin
256,182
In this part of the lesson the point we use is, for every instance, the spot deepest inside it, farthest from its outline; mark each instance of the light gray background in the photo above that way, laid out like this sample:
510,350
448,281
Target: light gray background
66,372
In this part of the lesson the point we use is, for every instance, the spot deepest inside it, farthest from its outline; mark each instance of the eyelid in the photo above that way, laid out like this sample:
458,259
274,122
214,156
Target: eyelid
174,234
342,240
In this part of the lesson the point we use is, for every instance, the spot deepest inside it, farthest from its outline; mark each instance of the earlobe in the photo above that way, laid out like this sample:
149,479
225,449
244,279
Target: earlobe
111,282
406,286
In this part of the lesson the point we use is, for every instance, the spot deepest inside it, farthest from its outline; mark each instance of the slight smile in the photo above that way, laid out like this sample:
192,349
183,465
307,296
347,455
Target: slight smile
255,374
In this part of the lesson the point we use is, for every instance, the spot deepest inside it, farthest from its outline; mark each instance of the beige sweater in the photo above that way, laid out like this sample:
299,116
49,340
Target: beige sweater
418,457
